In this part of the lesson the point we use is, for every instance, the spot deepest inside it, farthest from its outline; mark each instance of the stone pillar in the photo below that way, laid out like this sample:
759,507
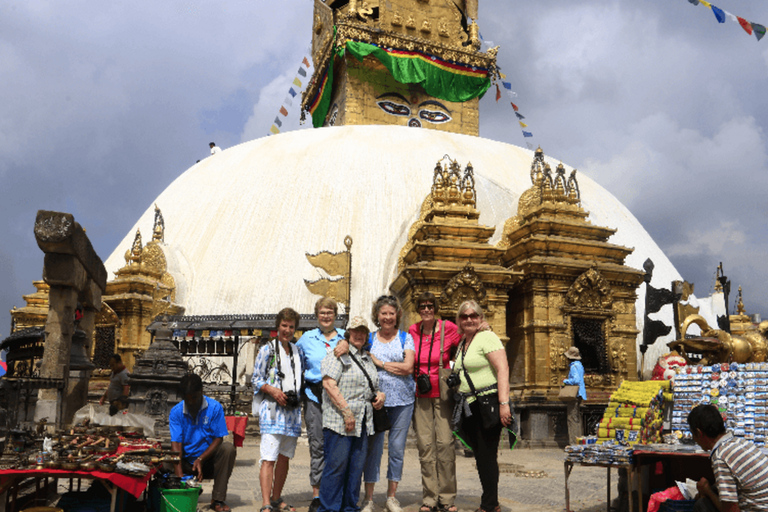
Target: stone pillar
75,274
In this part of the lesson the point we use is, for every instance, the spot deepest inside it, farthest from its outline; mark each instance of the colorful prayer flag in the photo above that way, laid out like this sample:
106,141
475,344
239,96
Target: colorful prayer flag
719,14
745,25
513,106
519,115
759,30
296,82
288,101
274,129
302,71
507,85
694,2
278,122
292,92
305,62
704,2
498,93
527,134
522,124
283,111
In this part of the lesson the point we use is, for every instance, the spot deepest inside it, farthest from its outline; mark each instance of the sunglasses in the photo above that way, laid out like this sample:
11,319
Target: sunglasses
426,306
471,316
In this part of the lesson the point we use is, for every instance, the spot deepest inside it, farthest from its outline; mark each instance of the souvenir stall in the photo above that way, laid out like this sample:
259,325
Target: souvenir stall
122,460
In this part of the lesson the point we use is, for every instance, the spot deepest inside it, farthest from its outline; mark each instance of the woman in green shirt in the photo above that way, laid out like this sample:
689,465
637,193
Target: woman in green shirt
481,363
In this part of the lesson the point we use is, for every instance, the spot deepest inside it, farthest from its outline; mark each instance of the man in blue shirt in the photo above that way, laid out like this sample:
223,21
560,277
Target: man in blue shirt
198,428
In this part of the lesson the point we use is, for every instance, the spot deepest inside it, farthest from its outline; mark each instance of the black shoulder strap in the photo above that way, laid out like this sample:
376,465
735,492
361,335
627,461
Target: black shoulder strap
360,365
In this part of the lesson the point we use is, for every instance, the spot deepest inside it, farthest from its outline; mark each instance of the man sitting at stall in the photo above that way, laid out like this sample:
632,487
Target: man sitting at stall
740,468
198,428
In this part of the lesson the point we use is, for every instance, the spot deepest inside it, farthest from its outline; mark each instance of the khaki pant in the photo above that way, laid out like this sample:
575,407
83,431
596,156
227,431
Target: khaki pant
574,420
432,424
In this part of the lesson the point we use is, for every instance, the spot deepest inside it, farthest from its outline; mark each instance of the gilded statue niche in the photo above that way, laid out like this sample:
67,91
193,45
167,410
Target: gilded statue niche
466,285
590,291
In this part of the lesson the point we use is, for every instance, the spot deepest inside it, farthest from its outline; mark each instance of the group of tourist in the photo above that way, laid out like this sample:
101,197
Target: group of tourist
359,385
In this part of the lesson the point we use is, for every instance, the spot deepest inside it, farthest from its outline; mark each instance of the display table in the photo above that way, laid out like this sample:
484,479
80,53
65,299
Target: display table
114,482
236,425
632,484
670,465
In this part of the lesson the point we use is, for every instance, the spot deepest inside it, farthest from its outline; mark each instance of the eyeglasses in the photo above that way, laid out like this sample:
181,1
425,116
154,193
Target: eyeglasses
426,306
326,313
471,316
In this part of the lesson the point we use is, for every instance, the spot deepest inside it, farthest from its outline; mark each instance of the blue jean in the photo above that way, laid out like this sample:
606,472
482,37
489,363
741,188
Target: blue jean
340,483
400,418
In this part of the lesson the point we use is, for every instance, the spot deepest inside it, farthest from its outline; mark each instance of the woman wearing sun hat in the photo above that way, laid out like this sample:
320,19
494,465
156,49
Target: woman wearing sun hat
575,378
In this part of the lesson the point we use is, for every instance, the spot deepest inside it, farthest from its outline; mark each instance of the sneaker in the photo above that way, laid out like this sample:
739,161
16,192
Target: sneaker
393,505
314,505
369,507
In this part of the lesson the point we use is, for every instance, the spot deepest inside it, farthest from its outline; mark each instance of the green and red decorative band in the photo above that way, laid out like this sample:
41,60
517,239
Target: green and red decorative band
440,78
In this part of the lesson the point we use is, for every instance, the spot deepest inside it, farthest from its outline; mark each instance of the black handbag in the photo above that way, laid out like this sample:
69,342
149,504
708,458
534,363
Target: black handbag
488,403
381,421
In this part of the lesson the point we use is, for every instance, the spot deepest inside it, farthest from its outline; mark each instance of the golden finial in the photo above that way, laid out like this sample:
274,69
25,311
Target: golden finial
158,230
133,255
740,310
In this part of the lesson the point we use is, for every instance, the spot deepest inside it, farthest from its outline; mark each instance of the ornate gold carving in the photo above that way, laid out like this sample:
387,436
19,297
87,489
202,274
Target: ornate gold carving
592,380
426,26
153,259
442,29
465,285
397,19
411,23
449,187
590,291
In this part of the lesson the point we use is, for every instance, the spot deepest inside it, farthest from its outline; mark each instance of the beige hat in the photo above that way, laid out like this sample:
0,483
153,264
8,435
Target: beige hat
573,353
358,323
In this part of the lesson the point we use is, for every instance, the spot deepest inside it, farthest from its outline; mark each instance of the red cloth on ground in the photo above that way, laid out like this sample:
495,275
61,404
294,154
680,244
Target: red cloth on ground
236,425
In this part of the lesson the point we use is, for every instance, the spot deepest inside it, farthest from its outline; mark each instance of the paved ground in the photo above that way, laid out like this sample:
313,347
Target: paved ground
532,481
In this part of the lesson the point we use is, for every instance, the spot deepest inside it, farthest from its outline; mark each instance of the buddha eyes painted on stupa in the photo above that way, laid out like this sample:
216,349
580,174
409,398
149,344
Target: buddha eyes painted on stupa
396,104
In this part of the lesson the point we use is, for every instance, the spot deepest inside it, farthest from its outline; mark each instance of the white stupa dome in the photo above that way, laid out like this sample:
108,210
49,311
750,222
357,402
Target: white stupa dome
238,224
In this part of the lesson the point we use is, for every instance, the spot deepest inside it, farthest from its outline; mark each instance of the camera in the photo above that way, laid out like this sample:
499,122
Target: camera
291,399
423,384
453,380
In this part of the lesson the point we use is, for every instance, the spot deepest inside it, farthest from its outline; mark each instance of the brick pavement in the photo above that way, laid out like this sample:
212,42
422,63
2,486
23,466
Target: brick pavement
518,489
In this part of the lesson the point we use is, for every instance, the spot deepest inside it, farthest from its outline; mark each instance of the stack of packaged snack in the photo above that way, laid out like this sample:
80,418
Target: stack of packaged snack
635,412
739,391
609,452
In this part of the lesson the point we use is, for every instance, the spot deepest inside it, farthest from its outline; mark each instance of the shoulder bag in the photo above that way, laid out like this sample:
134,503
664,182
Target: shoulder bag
489,403
443,373
568,393
381,421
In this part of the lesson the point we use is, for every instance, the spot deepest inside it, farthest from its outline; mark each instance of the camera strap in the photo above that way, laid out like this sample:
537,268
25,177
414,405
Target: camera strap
431,344
278,362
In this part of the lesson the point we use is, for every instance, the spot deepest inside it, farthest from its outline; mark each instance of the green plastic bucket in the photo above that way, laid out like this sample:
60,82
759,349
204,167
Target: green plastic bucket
179,500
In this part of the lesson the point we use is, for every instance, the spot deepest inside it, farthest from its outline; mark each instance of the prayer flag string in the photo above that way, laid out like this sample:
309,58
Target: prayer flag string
720,14
507,86
294,89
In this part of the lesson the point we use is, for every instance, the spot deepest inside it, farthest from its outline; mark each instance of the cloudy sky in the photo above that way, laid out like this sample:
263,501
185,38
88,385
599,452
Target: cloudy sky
102,105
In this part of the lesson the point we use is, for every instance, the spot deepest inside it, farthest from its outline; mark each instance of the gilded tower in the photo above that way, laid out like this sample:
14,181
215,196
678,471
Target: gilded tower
401,62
